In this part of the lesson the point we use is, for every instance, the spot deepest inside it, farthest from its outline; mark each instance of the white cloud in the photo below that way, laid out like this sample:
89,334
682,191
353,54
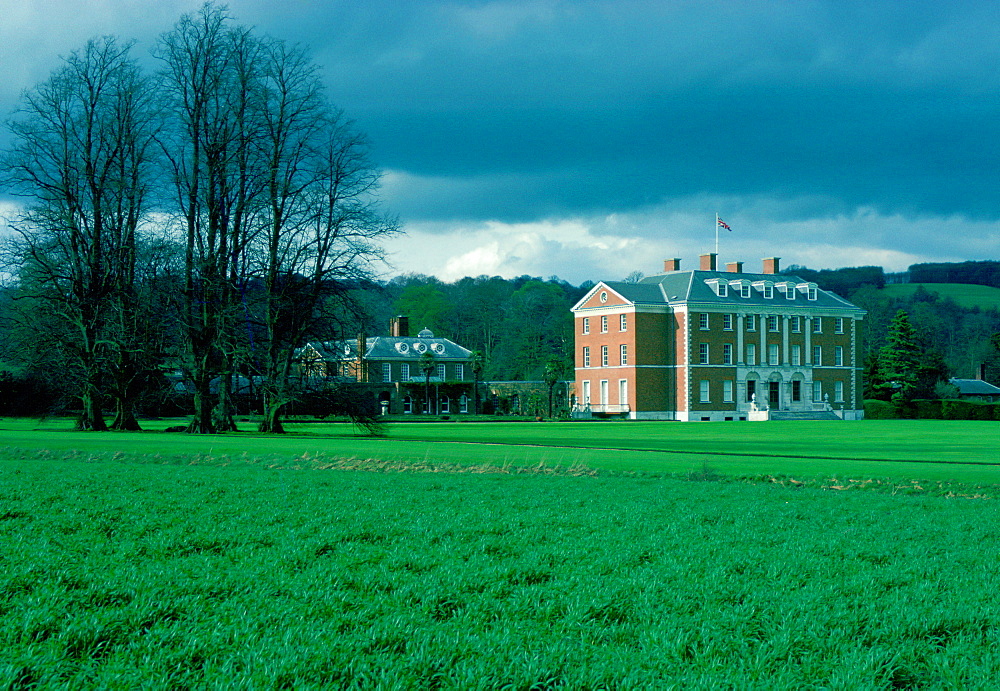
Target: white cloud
566,248
612,246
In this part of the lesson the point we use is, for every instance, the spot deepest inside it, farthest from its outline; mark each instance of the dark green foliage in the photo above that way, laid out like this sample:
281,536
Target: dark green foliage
426,305
119,575
928,410
969,410
898,362
22,394
844,282
517,324
880,410
932,410
992,360
985,273
340,399
904,368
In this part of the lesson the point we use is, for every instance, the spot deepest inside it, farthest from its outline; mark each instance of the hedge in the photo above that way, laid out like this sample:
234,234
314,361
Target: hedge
926,409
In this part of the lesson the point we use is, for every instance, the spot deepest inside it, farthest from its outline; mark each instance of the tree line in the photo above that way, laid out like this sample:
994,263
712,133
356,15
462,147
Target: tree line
520,328
952,340
212,213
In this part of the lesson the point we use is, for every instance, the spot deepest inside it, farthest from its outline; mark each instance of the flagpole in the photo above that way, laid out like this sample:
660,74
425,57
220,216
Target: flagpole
716,234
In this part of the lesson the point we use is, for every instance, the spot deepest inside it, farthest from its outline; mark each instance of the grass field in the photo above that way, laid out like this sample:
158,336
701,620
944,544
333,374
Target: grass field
932,450
965,295
240,561
119,575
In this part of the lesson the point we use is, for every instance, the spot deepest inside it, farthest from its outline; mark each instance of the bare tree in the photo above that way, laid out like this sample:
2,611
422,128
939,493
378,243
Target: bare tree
207,139
81,157
322,224
276,193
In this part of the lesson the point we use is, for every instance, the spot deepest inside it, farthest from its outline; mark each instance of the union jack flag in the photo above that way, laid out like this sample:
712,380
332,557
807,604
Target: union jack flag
723,224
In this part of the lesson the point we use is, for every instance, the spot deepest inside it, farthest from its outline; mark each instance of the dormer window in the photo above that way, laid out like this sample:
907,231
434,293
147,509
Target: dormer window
745,290
765,287
720,287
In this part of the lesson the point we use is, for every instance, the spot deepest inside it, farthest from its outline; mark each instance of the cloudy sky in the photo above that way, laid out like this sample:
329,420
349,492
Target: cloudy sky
588,139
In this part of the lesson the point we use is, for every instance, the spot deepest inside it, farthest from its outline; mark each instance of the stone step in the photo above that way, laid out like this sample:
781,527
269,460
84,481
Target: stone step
804,415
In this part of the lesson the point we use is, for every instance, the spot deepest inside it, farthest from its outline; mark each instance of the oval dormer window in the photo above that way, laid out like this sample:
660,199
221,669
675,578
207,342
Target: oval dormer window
604,296
402,347
347,350
420,347
437,348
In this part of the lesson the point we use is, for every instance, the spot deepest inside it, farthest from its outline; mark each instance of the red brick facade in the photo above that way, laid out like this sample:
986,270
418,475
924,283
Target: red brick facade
711,345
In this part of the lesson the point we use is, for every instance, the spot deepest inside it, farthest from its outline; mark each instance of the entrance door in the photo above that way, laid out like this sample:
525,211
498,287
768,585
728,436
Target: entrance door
773,394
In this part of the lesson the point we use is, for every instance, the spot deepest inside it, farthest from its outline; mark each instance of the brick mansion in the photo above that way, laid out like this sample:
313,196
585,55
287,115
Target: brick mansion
713,345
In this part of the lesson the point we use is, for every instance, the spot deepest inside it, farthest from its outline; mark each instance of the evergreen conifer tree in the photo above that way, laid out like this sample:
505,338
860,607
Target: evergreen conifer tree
899,360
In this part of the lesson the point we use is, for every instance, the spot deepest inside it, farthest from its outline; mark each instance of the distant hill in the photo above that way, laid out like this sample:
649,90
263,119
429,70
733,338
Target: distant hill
964,294
985,273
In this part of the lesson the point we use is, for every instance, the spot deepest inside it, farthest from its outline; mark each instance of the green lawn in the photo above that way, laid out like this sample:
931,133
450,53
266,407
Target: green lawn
965,295
934,450
134,575
165,560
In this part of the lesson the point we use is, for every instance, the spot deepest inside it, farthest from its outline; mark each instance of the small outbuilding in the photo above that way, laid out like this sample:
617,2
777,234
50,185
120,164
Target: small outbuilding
976,390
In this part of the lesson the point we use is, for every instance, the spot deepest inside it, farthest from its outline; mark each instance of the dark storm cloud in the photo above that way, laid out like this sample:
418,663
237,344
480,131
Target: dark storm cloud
616,105
788,112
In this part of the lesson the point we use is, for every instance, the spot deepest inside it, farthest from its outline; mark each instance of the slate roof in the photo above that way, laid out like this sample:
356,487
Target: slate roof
393,348
690,287
975,387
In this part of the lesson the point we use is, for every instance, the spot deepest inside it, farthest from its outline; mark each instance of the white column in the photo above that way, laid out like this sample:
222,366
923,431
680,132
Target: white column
762,357
740,355
785,357
809,351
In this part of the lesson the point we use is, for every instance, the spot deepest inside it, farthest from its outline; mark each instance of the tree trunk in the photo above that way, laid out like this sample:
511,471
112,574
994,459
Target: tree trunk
124,378
223,413
92,417
271,424
202,423
125,418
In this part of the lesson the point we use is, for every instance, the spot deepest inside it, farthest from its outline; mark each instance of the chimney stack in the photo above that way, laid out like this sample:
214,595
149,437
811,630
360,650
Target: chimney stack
671,264
771,265
708,261
399,327
734,267
362,373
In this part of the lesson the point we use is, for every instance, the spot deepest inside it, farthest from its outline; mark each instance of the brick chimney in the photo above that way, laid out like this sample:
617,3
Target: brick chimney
771,265
671,264
708,261
734,267
362,349
399,327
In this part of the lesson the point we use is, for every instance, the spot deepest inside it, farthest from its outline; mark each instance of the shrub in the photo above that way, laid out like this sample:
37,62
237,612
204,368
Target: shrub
880,410
928,409
969,410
